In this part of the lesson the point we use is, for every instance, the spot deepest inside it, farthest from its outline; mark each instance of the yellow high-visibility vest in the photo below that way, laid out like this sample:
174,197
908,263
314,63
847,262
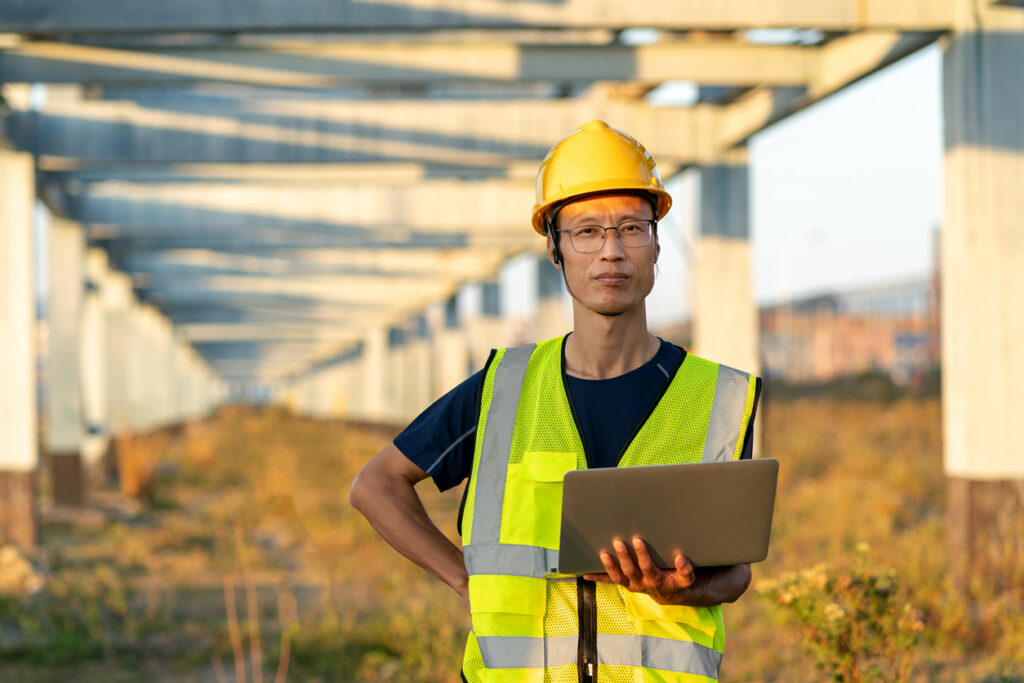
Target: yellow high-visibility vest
531,625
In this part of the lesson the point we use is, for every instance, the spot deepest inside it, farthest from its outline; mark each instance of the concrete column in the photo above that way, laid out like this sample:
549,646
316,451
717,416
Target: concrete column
319,394
18,448
725,315
63,435
139,368
166,366
95,402
375,375
451,350
983,288
397,383
554,316
486,329
419,369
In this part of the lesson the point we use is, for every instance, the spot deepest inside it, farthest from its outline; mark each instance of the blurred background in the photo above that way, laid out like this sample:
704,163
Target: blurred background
242,244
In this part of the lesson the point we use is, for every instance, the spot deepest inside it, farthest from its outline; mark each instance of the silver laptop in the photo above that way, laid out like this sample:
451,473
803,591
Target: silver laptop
717,513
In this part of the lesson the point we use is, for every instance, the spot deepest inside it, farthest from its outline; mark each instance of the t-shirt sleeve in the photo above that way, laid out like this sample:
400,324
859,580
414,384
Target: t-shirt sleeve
748,441
441,439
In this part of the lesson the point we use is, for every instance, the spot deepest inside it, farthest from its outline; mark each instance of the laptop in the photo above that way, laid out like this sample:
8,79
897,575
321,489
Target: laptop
717,513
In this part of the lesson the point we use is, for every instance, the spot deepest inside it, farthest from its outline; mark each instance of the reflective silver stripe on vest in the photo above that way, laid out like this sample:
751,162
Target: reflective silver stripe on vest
665,654
726,414
509,560
514,652
494,453
675,655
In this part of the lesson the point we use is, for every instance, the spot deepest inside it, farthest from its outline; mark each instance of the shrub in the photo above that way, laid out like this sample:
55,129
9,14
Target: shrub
855,622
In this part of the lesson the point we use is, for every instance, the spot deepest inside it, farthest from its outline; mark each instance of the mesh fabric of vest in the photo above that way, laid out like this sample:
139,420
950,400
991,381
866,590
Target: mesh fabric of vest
545,443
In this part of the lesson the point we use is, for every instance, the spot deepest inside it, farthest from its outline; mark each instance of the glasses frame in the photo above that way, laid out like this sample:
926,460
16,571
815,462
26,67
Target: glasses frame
652,224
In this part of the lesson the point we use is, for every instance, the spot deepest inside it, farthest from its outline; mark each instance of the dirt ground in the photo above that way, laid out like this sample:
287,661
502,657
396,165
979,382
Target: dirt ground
243,561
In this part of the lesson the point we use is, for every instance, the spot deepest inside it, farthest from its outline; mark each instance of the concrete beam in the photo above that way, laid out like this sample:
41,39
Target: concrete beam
44,17
407,263
838,63
323,65
18,447
438,206
485,134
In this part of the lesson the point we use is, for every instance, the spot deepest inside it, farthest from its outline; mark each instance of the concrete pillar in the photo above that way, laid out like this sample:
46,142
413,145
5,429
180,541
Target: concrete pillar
419,368
166,367
983,288
486,328
95,402
116,294
63,435
18,447
375,375
554,316
147,371
725,315
451,350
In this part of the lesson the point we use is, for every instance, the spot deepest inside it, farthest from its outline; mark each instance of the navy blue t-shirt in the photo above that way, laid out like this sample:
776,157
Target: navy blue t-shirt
441,440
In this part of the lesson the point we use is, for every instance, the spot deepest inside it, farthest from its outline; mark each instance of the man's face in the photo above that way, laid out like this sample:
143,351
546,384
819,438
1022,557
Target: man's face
615,278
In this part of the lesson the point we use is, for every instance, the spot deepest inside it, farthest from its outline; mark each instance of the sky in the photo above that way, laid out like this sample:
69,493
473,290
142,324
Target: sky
847,193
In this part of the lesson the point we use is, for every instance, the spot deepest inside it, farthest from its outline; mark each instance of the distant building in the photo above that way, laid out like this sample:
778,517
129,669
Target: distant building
890,329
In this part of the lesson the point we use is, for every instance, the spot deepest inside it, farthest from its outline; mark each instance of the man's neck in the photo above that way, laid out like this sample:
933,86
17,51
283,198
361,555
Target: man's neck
608,346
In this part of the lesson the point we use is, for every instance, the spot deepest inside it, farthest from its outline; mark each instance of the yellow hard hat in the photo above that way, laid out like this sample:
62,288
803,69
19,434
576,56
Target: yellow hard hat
596,158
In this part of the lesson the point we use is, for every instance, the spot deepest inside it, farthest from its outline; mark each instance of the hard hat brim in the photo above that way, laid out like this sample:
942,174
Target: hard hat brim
542,211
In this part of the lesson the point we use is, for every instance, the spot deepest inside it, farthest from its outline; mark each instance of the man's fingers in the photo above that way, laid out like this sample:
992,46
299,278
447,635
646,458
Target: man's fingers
626,561
684,568
598,578
643,558
612,568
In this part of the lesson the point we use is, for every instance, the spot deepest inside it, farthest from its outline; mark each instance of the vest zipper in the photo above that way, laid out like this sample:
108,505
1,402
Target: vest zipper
586,591
586,652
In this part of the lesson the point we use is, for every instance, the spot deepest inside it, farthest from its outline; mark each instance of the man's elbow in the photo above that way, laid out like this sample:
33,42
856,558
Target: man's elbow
743,578
359,493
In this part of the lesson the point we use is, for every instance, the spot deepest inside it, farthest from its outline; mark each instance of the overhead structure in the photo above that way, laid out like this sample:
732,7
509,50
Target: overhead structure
303,189
235,162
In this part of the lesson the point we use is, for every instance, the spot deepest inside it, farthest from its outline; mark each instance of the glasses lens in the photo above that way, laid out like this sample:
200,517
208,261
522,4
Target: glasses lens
586,238
635,233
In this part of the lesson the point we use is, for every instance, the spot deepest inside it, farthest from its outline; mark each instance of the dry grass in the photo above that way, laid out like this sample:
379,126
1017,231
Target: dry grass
247,552
871,473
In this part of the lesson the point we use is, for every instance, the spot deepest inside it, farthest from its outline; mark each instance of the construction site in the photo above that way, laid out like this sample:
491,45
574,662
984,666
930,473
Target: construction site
243,246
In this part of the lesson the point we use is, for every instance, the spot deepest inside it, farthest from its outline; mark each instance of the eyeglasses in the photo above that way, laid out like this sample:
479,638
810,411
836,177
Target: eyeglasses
631,233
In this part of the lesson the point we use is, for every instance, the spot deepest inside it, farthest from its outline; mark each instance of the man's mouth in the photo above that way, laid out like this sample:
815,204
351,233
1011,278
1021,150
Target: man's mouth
612,278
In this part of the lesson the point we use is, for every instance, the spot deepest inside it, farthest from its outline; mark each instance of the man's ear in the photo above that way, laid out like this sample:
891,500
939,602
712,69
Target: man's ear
657,246
551,252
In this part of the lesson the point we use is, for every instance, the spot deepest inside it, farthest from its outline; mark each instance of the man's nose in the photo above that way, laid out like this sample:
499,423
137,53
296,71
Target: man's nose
612,246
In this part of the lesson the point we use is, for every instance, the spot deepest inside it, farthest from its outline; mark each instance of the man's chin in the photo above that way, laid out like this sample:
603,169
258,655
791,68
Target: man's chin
610,310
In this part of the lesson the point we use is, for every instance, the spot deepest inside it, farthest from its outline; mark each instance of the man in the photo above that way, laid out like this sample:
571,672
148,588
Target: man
608,394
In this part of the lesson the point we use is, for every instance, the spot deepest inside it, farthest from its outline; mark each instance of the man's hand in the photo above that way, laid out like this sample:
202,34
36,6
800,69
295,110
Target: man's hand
681,585
667,587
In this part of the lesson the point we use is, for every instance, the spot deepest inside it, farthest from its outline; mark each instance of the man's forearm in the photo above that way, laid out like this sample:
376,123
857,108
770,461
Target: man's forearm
716,585
395,511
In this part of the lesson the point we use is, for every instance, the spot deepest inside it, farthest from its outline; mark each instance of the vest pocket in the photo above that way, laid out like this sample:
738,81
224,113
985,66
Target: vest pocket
507,605
533,498
508,625
678,622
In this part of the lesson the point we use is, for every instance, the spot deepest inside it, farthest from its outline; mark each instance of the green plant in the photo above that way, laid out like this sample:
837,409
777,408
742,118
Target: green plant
855,622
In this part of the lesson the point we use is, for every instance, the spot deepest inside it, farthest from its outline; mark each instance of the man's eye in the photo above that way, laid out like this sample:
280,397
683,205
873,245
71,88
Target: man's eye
585,231
631,227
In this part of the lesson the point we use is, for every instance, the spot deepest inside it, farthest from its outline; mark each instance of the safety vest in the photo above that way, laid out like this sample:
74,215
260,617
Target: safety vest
532,625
